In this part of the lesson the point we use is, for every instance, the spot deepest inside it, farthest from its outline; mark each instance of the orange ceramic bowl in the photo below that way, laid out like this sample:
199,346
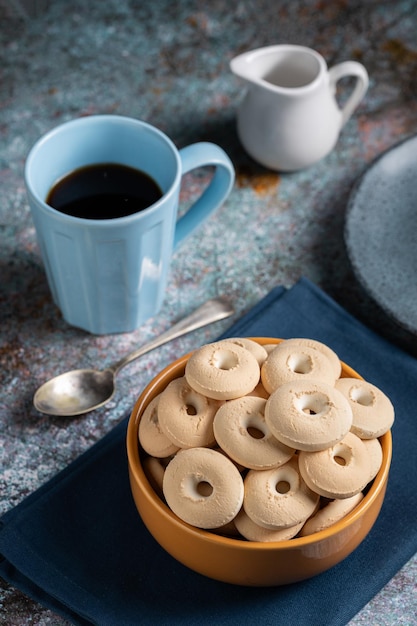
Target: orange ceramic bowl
234,560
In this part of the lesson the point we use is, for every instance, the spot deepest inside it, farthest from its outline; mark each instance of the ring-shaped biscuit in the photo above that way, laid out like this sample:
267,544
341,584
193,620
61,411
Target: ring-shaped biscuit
203,487
290,362
155,469
331,513
253,532
308,415
222,370
375,454
241,431
185,416
340,471
321,347
269,347
373,412
279,497
151,436
258,351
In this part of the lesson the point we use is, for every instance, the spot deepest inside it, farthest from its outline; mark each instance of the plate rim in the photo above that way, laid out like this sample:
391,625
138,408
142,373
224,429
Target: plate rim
347,233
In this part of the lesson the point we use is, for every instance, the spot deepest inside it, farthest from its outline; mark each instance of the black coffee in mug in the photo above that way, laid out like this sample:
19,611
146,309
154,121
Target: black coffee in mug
103,191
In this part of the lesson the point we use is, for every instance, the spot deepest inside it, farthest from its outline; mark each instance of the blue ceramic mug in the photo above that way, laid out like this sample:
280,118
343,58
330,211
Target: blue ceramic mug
109,275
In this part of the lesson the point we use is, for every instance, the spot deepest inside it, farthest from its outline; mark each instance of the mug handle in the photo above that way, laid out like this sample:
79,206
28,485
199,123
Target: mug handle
350,68
199,155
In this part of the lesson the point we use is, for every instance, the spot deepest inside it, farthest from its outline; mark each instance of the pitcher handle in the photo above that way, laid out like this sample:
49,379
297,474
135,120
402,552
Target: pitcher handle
199,155
350,68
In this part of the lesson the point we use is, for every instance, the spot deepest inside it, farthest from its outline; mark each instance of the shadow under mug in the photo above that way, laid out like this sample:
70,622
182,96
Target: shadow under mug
109,276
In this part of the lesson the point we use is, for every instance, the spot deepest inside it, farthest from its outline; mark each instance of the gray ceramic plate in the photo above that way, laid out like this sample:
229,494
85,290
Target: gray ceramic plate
381,232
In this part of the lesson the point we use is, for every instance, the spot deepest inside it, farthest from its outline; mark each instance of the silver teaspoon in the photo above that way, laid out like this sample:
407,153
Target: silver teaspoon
79,391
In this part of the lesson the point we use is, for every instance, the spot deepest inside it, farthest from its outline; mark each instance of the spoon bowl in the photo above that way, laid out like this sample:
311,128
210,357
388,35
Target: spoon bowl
75,392
83,390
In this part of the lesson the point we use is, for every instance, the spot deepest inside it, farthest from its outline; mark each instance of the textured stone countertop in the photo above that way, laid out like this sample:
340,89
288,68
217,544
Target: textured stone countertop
168,63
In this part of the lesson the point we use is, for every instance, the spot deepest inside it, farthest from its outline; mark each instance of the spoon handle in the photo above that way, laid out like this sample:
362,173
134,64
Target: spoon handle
209,312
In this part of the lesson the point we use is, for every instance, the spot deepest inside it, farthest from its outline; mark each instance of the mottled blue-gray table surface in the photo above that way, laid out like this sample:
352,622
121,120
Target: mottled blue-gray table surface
168,63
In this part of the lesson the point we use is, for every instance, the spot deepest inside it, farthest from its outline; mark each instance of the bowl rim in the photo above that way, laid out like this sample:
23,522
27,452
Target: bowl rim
136,467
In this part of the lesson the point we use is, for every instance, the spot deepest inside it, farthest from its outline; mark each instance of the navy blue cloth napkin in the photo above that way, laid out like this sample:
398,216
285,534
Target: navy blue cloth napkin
78,546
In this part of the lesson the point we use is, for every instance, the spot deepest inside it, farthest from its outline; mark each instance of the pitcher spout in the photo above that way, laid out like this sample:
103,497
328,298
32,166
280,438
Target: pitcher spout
241,65
279,67
253,66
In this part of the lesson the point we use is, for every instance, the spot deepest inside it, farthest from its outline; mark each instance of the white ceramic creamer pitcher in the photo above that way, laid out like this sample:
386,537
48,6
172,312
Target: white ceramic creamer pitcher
289,117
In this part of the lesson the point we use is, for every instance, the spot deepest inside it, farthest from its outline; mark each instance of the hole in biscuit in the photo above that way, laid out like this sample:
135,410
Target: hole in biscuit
204,488
308,411
342,454
312,403
153,418
190,409
225,359
362,396
300,363
283,486
254,432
